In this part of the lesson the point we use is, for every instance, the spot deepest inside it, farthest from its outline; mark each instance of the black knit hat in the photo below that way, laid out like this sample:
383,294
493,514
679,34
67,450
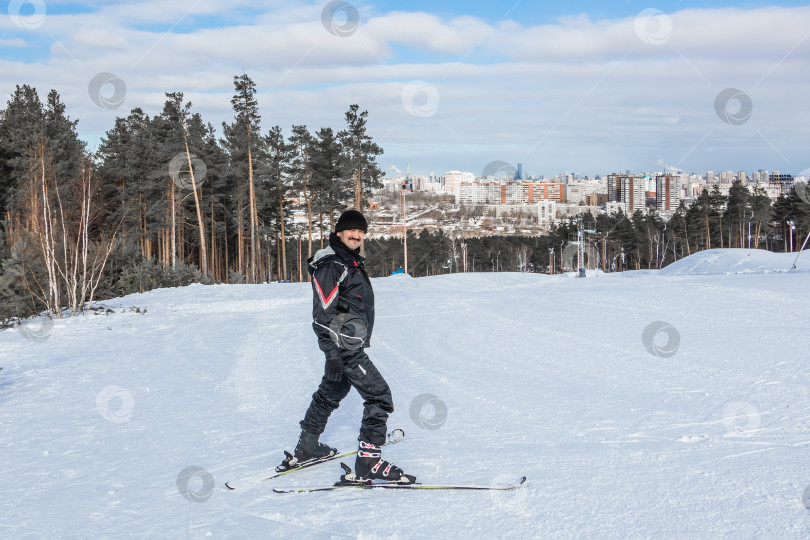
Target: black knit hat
351,220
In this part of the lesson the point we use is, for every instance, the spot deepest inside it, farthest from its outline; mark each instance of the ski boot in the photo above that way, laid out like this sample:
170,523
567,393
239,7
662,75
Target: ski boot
307,449
369,466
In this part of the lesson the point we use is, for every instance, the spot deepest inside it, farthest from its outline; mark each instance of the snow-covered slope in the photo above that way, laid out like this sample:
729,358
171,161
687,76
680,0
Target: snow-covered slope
661,406
736,261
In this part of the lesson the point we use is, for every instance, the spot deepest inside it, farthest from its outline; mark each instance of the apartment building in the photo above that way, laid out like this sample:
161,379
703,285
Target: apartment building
629,190
453,179
473,193
668,192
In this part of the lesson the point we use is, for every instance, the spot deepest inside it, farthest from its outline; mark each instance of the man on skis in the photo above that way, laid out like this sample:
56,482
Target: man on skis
343,313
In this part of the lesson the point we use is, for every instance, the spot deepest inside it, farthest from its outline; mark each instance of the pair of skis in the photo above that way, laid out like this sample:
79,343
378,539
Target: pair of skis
393,438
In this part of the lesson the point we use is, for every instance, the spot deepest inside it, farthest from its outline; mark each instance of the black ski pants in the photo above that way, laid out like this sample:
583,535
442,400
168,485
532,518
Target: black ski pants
358,372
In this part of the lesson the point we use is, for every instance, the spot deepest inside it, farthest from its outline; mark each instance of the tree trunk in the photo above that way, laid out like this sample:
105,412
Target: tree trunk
203,254
240,233
278,258
320,221
253,215
283,239
358,190
708,234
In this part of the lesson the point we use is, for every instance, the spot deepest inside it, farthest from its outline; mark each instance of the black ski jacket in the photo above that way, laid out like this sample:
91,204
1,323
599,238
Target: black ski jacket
340,284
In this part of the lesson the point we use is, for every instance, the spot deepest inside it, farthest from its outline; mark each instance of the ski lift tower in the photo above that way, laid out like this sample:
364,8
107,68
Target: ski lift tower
581,251
405,223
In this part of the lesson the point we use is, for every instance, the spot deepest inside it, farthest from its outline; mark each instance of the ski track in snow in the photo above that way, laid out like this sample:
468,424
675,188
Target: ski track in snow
543,376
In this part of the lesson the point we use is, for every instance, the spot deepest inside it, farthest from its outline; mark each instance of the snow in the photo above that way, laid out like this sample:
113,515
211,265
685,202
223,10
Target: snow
675,403
733,261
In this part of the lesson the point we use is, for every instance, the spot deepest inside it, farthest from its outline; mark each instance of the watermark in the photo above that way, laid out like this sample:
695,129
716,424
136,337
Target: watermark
740,418
570,255
657,332
27,14
428,411
33,332
340,18
107,90
115,404
499,168
195,484
733,106
653,26
802,187
181,174
420,99
806,497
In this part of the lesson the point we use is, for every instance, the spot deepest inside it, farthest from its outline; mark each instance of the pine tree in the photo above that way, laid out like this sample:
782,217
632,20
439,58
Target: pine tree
699,218
27,125
361,153
179,197
604,229
762,209
303,150
678,232
216,195
245,147
330,179
21,129
738,212
718,203
127,167
277,166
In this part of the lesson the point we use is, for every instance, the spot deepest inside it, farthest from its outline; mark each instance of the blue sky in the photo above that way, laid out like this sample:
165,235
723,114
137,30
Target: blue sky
585,87
537,12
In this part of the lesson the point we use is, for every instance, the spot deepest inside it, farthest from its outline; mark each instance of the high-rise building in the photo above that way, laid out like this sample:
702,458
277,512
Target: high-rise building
452,179
545,191
668,189
472,193
782,181
546,213
519,172
627,189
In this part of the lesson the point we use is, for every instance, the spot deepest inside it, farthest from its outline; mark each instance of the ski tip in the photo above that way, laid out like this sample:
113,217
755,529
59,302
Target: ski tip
294,490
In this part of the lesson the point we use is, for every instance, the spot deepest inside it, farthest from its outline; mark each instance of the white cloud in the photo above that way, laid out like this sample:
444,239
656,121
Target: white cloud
13,43
99,39
580,94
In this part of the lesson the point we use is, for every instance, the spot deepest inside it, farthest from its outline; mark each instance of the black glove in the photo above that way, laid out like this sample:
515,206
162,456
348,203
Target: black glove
334,367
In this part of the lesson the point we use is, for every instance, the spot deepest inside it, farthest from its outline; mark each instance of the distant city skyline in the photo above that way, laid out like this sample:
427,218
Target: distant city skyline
717,174
585,87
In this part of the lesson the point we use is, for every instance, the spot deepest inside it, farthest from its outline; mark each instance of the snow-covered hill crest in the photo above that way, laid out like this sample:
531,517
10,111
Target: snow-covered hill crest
737,261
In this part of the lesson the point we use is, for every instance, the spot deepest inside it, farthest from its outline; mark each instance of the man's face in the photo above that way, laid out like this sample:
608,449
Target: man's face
352,238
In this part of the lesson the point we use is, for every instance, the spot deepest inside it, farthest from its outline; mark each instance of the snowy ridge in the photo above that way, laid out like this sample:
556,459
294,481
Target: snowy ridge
651,407
736,261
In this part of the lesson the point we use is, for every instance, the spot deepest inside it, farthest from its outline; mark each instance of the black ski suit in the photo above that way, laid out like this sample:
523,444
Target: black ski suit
340,284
